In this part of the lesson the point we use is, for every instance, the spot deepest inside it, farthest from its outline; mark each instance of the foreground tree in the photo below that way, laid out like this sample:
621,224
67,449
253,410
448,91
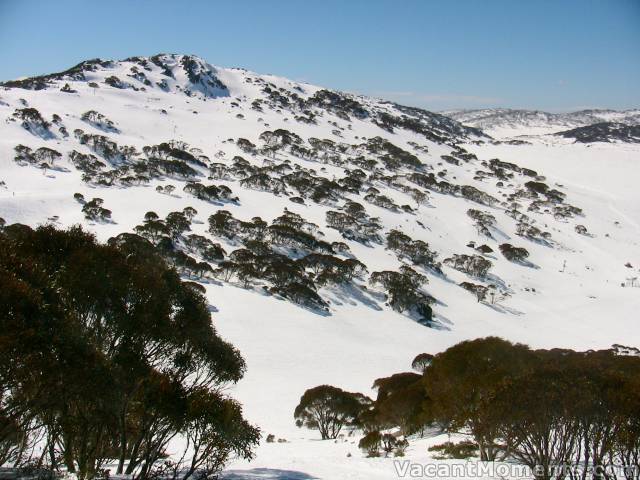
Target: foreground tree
124,350
460,378
402,402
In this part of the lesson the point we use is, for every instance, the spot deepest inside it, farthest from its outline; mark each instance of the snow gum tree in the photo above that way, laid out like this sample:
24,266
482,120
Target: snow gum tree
329,409
106,355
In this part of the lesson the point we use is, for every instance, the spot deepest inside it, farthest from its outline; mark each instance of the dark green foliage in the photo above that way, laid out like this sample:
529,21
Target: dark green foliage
483,221
421,362
475,265
329,409
354,223
318,188
381,201
402,287
339,103
172,168
175,150
32,121
105,147
333,270
87,163
222,224
514,254
125,352
392,156
402,402
114,82
415,250
461,378
472,193
371,443
204,247
537,187
604,132
74,73
93,210
210,193
43,157
245,145
480,291
301,294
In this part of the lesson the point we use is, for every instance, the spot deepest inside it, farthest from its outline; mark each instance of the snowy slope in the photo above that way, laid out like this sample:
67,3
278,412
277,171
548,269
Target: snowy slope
570,294
505,122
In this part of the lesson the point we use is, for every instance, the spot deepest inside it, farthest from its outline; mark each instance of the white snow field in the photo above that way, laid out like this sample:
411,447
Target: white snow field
506,123
569,295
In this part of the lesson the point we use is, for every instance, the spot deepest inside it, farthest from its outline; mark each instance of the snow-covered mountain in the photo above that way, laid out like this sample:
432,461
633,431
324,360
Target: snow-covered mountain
505,122
168,132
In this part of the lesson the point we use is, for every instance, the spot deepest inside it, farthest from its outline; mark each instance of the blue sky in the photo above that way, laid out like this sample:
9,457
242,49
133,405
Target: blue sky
554,55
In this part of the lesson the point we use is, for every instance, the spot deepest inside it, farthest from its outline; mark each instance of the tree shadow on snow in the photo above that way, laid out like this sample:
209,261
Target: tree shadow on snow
438,322
527,263
265,474
353,294
503,309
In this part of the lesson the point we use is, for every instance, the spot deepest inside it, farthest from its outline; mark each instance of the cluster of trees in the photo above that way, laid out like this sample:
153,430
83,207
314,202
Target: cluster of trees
490,292
354,223
552,201
289,256
430,182
475,265
392,156
87,163
513,254
562,212
99,121
176,150
330,409
315,187
536,188
106,356
339,103
483,221
115,82
210,193
171,241
417,251
380,200
403,292
527,230
431,126
105,147
32,121
502,170
93,209
43,157
547,409
286,253
169,159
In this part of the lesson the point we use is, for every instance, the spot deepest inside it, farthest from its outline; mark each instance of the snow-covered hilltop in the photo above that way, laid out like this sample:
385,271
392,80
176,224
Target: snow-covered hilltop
505,122
337,236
